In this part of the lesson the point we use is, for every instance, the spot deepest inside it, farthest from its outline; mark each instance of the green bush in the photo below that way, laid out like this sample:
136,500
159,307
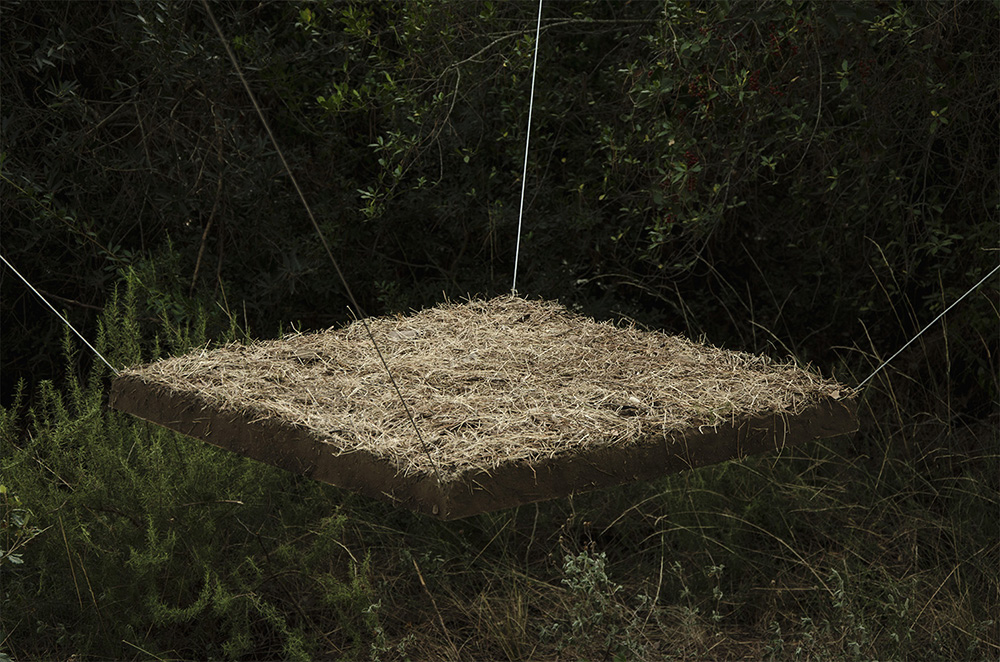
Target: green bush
140,541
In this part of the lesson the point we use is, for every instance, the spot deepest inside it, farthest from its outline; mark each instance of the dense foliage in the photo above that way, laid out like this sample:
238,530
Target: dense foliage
814,179
757,172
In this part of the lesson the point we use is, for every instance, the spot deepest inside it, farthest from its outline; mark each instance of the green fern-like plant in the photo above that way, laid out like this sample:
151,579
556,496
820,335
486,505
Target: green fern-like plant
144,542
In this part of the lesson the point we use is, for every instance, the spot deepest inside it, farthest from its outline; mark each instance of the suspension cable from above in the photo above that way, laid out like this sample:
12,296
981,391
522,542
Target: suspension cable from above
322,237
527,143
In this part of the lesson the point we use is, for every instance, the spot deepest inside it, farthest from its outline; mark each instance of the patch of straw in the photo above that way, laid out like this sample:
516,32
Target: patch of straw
490,382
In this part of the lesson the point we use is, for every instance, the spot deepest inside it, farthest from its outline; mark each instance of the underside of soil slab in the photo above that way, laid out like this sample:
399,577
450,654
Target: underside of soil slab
516,401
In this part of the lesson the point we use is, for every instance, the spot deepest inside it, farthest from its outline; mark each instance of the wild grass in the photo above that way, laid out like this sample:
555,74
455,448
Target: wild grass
124,541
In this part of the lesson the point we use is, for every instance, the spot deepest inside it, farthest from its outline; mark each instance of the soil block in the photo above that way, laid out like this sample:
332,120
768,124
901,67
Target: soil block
515,401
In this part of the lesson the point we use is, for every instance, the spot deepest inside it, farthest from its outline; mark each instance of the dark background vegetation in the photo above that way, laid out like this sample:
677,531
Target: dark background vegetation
809,179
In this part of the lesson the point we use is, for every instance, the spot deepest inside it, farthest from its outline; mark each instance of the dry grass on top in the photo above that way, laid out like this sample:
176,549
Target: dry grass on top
490,382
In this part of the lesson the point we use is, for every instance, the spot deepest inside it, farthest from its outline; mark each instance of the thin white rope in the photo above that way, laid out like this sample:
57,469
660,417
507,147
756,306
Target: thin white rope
322,238
527,143
932,322
65,321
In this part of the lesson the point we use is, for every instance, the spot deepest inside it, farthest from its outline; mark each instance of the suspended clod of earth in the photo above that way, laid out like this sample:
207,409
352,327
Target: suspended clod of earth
515,401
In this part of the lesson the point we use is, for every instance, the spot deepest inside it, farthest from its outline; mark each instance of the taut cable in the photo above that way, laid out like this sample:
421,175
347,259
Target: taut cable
527,143
58,314
326,245
929,325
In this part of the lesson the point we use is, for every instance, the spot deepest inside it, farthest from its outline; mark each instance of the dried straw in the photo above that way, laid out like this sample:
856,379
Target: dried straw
490,383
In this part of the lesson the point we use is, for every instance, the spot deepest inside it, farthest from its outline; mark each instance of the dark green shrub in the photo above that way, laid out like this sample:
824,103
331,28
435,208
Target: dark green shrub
147,543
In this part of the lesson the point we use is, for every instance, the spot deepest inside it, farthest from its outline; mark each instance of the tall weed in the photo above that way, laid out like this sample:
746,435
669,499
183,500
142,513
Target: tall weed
145,543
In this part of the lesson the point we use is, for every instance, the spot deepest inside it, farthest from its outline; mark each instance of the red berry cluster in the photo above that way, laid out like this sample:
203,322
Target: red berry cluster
773,89
641,73
753,82
865,69
776,41
697,89
691,159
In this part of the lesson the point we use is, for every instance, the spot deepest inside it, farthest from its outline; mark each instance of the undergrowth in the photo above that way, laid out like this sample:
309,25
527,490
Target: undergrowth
121,540
151,545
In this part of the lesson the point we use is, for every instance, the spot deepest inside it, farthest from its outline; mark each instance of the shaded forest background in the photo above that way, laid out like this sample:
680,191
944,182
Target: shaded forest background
786,178
809,179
